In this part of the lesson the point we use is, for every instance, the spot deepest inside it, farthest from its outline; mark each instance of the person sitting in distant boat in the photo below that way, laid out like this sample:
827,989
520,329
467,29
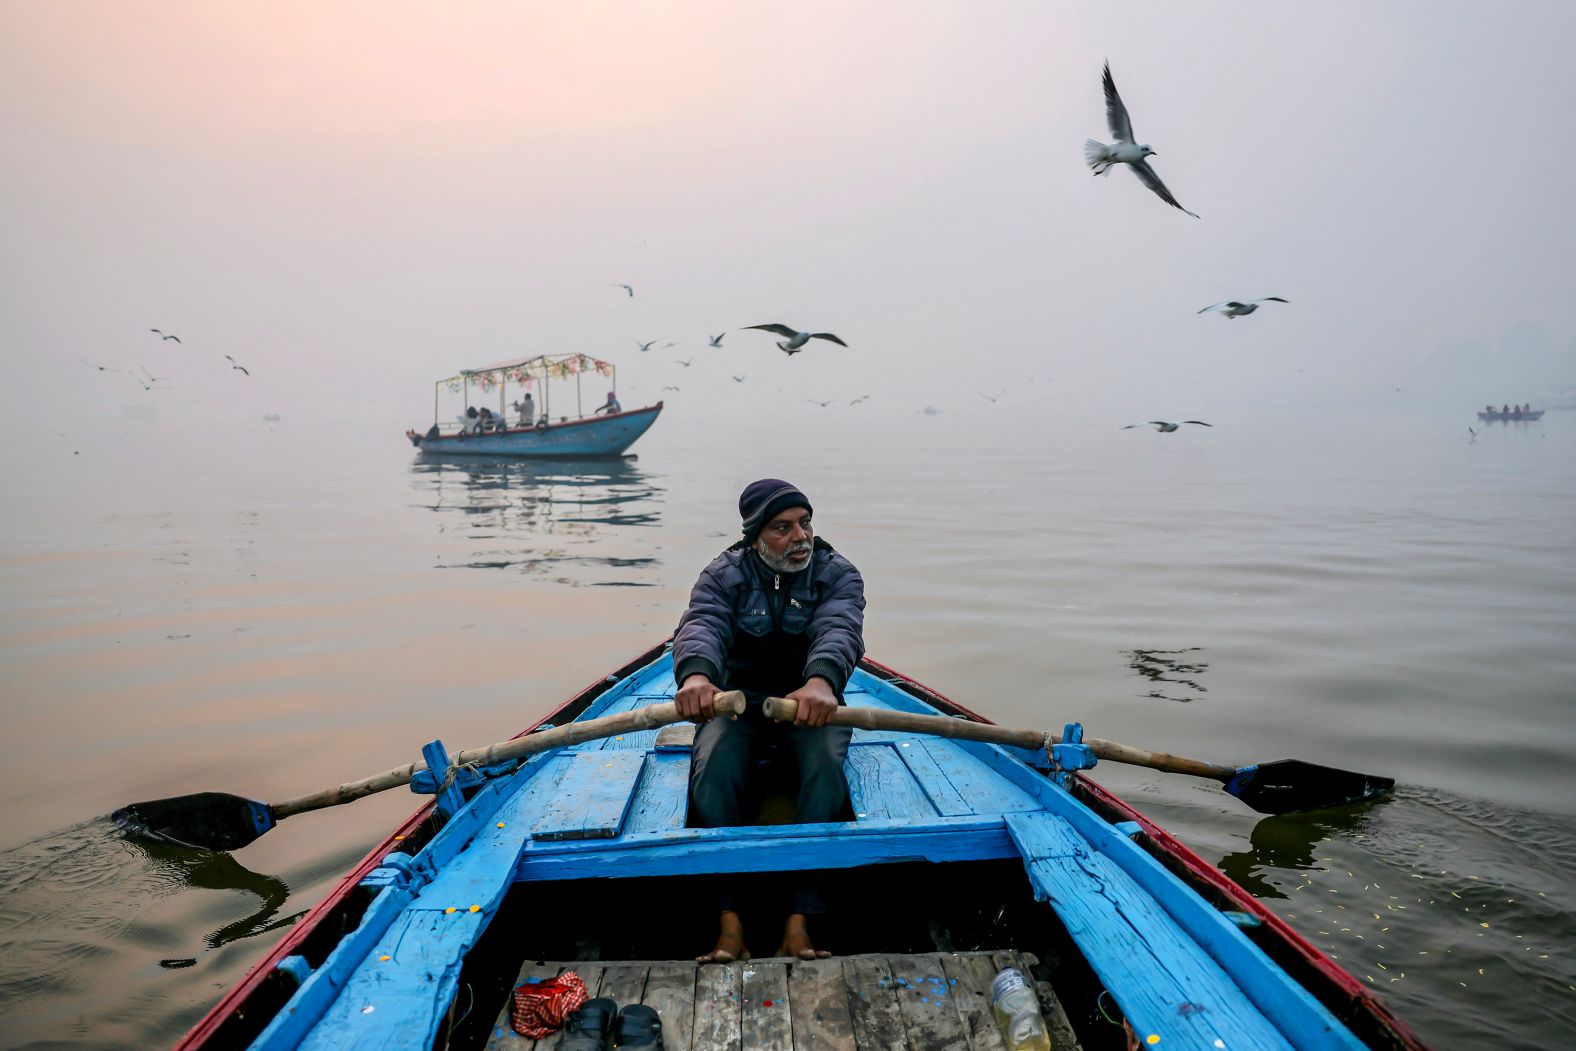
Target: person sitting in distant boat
489,422
611,406
472,423
1505,409
526,407
780,613
1525,408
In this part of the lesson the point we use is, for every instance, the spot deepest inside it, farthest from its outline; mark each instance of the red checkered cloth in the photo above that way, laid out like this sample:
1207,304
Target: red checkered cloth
540,1008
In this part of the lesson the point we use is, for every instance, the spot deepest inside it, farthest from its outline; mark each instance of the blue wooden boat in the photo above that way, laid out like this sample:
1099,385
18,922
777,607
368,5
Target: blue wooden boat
961,855
543,435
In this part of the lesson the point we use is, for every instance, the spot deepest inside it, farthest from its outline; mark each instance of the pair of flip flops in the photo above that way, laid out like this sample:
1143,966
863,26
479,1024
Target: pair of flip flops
598,1025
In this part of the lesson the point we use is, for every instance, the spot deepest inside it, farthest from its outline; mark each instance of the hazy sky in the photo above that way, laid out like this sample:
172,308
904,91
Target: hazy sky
356,199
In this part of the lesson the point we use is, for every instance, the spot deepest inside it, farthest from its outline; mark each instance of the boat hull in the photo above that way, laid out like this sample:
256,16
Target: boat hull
589,437
1535,414
341,954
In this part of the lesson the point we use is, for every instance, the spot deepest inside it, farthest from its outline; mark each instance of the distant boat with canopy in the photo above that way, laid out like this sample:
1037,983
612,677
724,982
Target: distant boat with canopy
525,425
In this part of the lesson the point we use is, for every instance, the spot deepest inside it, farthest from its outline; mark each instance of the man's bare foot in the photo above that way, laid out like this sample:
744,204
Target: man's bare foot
796,941
730,942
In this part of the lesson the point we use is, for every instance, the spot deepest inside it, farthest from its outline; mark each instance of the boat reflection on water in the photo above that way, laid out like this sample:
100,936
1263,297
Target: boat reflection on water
1174,673
574,521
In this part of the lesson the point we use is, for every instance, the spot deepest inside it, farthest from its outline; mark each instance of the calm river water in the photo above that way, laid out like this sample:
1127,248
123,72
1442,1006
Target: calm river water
1380,593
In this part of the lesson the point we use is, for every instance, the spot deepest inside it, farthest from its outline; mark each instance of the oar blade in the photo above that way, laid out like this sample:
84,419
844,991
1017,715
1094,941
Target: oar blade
206,820
1289,785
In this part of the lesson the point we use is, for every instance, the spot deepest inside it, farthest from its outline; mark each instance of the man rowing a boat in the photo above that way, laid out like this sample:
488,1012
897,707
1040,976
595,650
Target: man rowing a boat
780,613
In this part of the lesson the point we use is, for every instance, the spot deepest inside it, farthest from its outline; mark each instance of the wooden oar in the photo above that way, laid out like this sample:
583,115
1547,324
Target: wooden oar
1280,787
219,821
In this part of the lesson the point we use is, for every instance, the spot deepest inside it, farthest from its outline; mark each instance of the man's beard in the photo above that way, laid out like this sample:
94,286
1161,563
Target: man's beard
782,563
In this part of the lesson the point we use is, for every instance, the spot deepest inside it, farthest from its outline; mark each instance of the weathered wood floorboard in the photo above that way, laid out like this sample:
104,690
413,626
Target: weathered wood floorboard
925,1002
670,989
877,1020
718,1016
818,999
767,1025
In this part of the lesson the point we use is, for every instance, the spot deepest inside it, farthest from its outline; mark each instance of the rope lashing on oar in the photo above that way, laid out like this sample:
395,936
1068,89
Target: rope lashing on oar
539,1009
453,772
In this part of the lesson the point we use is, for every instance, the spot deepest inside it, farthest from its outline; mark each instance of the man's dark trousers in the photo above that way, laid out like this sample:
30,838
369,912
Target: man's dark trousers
725,750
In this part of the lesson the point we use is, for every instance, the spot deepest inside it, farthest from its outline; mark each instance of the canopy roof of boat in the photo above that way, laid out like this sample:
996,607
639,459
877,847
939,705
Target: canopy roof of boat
540,367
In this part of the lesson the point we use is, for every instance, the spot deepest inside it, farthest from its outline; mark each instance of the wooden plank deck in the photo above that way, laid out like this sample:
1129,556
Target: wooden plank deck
927,1002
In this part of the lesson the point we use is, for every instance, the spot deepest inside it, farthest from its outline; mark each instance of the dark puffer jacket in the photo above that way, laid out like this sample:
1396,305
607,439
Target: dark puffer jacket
750,628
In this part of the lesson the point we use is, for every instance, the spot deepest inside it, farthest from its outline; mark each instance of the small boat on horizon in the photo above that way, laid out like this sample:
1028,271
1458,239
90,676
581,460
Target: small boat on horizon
962,857
1491,415
479,431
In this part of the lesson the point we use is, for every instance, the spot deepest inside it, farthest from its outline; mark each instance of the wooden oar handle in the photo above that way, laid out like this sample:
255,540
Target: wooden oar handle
784,709
647,718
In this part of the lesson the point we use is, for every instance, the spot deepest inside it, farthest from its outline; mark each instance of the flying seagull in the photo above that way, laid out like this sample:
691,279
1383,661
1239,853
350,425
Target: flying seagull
796,339
685,361
669,388
236,365
628,289
1233,308
738,379
822,404
716,341
862,397
163,336
1165,426
647,346
992,398
1102,158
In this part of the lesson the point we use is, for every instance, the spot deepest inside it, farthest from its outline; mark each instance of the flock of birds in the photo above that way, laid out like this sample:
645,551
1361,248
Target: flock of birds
793,342
1102,158
147,380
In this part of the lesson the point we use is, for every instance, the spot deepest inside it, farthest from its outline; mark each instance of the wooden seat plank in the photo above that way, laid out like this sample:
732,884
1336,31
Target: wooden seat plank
818,999
947,800
765,1022
877,1020
717,1009
986,791
924,998
881,785
661,798
593,796
676,737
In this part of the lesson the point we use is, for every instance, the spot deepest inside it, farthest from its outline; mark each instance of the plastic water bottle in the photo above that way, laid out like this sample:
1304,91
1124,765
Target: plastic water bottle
1017,1012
